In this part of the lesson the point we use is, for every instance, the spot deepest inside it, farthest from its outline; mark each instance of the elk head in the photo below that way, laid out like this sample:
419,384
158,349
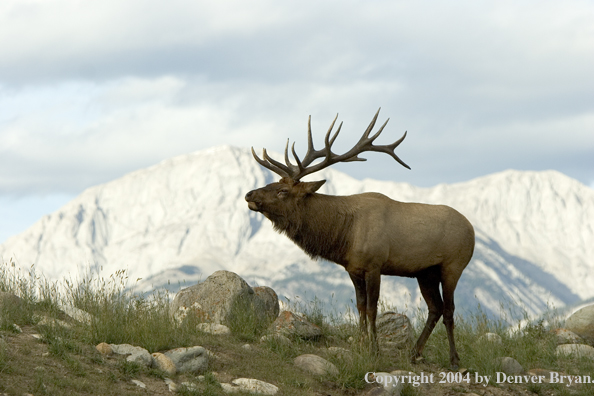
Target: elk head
276,199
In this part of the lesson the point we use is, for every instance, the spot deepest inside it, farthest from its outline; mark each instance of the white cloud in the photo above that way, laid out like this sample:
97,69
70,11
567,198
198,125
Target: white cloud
91,90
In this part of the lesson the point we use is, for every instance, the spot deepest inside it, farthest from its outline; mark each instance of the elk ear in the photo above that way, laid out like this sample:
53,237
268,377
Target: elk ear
311,187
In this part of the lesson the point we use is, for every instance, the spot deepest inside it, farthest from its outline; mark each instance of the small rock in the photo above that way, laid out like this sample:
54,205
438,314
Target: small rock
565,336
577,350
293,325
510,366
104,348
213,328
139,384
53,322
194,359
137,354
315,365
190,386
341,353
77,314
541,373
171,385
491,337
277,338
582,323
254,386
163,363
247,347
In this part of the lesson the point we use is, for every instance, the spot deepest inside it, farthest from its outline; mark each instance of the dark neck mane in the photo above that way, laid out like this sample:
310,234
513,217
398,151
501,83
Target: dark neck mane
320,226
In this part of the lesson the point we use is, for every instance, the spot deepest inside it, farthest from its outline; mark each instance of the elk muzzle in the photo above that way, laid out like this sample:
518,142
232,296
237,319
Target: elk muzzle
252,203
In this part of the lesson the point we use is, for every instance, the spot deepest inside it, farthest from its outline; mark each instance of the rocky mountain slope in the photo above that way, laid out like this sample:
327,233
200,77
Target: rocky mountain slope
186,217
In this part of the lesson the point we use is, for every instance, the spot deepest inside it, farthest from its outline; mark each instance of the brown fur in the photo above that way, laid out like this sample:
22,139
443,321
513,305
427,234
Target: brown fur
372,235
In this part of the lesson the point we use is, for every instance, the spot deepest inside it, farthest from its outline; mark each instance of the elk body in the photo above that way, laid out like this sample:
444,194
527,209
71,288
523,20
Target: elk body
370,234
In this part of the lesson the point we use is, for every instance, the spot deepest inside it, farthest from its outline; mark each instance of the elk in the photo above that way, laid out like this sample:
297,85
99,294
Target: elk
369,234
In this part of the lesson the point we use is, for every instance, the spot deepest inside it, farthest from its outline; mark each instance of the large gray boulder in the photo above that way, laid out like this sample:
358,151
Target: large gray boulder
216,300
582,323
394,330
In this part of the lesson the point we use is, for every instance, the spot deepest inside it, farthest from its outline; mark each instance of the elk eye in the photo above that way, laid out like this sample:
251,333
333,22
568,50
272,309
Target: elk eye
283,193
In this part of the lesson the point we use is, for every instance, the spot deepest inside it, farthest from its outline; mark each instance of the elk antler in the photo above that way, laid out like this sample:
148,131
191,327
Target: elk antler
296,172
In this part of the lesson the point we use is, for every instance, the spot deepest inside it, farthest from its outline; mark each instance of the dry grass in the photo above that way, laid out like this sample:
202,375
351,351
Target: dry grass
65,361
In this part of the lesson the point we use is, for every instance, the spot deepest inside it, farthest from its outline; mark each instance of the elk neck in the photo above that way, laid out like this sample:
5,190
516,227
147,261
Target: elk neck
320,225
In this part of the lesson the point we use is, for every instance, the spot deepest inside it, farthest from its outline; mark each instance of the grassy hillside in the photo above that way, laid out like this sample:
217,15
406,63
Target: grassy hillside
45,352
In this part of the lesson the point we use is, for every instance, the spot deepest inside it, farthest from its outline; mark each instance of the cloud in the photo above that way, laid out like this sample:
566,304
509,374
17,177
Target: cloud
92,90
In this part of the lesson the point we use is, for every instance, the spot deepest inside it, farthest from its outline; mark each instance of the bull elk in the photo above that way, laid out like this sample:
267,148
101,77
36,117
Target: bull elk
369,234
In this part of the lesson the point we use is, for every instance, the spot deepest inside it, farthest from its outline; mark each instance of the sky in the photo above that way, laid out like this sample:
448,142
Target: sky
90,91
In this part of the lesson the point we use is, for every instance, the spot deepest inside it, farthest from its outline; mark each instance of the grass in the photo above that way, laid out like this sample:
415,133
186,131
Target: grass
66,362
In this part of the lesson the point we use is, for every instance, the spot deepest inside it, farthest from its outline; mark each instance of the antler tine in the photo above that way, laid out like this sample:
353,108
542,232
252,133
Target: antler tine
299,165
278,170
390,150
287,160
371,125
327,141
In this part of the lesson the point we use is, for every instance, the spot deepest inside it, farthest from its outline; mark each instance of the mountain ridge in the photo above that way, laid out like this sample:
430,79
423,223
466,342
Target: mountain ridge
185,217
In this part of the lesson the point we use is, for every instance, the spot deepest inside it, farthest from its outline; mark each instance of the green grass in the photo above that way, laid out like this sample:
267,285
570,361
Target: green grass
71,365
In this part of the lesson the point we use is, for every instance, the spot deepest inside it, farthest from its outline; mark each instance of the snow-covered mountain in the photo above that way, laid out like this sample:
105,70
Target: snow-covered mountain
186,217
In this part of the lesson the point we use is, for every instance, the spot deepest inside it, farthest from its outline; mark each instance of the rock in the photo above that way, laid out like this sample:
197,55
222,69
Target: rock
194,359
315,365
214,299
576,350
582,323
565,336
269,300
139,384
77,314
53,322
341,353
395,329
137,354
276,338
541,373
213,328
163,363
491,337
510,366
249,385
293,325
171,385
386,380
104,348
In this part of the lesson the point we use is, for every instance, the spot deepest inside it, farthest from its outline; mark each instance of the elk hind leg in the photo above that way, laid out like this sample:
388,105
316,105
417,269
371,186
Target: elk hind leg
429,284
448,286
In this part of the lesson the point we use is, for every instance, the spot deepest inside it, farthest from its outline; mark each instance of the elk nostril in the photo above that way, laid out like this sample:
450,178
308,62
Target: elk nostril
248,195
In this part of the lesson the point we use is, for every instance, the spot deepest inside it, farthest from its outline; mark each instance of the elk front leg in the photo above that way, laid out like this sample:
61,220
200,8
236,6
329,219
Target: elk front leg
361,296
372,283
